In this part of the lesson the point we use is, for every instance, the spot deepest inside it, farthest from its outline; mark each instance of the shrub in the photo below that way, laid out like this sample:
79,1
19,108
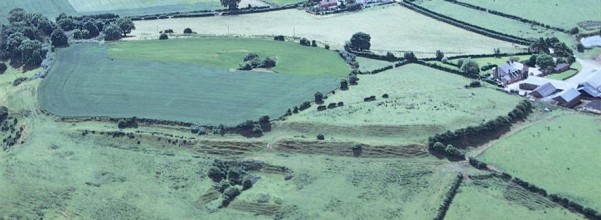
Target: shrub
247,183
250,56
304,106
439,55
77,34
390,56
163,37
305,42
385,96
318,97
215,174
320,137
327,47
279,37
470,68
574,30
321,108
410,56
314,43
58,38
128,123
332,105
245,66
340,104
369,99
353,79
3,68
111,32
188,31
343,84
269,62
229,195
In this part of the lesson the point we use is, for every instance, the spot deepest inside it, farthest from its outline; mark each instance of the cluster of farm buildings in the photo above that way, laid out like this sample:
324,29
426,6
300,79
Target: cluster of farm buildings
529,81
327,5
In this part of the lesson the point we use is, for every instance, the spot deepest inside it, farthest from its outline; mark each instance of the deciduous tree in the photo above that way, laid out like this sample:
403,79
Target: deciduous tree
360,41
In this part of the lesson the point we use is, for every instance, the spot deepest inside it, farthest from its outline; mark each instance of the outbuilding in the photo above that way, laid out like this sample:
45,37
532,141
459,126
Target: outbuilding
568,98
544,91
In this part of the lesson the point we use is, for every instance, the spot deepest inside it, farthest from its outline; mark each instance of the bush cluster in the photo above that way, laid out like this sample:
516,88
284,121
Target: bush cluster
252,60
382,69
251,128
228,176
449,151
128,123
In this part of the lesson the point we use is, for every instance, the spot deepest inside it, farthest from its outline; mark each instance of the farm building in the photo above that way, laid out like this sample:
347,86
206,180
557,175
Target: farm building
328,4
510,72
561,67
544,91
592,86
593,106
568,98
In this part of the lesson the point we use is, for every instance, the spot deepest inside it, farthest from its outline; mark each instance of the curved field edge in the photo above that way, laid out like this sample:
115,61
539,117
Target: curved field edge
558,150
228,53
401,30
85,82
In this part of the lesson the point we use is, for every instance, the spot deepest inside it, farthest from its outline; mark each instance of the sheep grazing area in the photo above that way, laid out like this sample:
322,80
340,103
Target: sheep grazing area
495,22
557,152
401,30
95,80
558,13
416,107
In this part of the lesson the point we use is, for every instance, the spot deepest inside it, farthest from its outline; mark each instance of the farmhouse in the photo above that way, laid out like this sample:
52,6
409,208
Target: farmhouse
510,72
328,4
544,91
592,86
568,98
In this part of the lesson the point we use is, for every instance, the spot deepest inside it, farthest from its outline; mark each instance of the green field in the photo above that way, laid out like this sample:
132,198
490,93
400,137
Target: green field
53,8
562,76
227,53
559,153
496,200
418,106
494,22
558,13
366,64
409,31
86,82
50,8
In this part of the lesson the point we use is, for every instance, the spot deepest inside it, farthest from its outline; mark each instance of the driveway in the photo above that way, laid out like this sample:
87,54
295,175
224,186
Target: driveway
589,68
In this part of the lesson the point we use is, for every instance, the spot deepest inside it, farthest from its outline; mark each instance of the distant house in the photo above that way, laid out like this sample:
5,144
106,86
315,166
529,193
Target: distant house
568,98
592,86
510,72
544,91
561,67
328,4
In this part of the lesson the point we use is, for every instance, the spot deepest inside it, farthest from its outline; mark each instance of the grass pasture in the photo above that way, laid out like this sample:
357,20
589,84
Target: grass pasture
402,30
422,101
141,7
558,13
494,22
558,153
496,200
227,53
86,82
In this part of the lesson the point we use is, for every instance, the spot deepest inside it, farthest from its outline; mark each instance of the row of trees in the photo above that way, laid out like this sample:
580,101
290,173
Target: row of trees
86,27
